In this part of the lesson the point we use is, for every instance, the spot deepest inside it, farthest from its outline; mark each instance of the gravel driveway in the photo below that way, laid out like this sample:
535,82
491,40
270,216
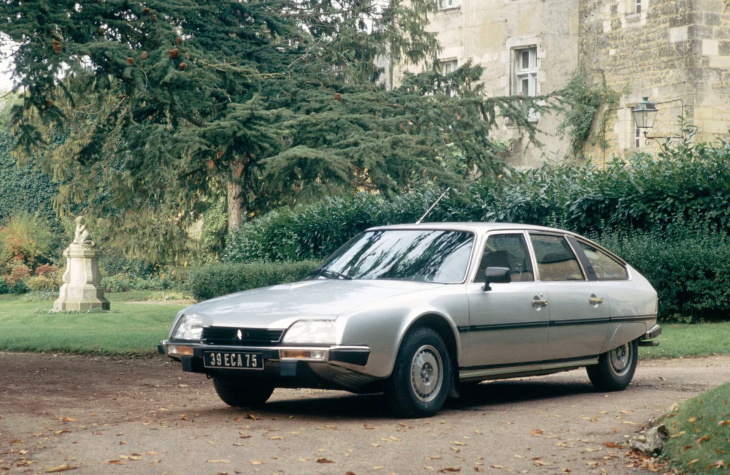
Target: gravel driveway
96,415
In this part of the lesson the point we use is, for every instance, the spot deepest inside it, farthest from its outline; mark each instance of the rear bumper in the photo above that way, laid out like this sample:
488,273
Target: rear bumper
648,338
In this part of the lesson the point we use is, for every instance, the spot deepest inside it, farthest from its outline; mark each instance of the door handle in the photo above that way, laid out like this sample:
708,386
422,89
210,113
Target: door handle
537,302
595,300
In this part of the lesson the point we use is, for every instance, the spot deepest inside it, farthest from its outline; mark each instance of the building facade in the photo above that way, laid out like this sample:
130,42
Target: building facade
675,52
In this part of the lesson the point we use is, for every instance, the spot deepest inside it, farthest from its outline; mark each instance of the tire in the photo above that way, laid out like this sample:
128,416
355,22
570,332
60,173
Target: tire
422,375
242,395
615,368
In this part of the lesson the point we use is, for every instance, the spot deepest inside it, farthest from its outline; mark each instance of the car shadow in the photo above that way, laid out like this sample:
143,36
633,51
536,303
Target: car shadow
474,397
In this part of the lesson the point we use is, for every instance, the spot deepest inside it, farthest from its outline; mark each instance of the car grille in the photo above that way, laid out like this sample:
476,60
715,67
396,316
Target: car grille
249,336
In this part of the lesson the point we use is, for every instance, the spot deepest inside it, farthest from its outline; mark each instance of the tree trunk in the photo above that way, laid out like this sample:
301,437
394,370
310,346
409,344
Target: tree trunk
236,210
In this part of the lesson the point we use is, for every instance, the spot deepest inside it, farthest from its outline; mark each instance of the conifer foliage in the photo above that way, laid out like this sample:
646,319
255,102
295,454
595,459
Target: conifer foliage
153,109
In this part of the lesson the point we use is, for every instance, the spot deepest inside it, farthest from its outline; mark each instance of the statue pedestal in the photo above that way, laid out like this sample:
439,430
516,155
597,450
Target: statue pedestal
81,289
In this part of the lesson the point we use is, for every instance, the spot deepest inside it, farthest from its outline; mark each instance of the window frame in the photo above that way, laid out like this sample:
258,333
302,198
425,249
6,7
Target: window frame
444,4
525,75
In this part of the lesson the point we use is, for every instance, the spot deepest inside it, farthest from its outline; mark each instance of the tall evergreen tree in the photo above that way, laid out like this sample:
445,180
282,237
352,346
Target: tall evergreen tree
164,104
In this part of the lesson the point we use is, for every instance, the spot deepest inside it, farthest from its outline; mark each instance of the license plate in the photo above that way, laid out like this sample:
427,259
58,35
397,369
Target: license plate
233,360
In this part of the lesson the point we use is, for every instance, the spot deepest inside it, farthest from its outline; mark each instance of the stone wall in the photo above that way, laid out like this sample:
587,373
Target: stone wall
676,52
488,32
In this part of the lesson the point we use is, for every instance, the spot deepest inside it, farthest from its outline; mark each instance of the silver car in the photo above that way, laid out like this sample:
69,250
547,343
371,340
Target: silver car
417,311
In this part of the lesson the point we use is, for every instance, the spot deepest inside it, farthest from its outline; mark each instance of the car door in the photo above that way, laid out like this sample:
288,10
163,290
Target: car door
579,309
508,322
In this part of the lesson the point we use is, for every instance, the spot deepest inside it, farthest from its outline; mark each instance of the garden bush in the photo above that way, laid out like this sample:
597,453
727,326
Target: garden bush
690,270
220,279
689,182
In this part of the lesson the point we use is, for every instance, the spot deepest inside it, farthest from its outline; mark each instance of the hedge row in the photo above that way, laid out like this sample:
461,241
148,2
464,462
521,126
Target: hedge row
221,279
691,183
689,270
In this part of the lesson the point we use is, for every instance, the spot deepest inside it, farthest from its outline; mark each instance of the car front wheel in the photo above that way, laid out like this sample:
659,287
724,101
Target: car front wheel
421,379
240,394
615,368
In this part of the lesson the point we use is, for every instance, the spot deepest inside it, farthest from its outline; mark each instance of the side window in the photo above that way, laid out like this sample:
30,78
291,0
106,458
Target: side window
555,258
606,268
507,250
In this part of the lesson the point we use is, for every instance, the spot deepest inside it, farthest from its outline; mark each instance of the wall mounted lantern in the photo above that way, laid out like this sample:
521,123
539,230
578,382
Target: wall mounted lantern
644,115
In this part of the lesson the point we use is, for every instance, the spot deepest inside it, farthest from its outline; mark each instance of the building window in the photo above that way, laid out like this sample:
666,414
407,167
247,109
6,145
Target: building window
637,136
448,67
525,83
637,6
447,4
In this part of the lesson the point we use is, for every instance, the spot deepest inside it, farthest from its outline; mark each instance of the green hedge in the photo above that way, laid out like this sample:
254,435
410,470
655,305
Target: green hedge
221,279
690,270
683,184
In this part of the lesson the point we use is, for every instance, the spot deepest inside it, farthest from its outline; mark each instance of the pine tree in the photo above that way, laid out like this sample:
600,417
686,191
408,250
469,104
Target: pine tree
164,105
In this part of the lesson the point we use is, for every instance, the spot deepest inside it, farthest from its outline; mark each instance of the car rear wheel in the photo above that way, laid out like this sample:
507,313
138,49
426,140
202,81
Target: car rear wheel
422,377
615,368
238,394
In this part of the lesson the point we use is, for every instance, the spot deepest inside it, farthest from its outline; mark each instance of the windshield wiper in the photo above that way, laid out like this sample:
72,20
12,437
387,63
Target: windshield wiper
329,274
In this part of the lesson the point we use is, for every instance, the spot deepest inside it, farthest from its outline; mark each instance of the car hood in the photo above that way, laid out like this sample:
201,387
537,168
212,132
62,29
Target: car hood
280,305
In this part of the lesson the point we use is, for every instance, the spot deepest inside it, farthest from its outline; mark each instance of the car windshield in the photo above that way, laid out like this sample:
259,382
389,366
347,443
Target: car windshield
418,255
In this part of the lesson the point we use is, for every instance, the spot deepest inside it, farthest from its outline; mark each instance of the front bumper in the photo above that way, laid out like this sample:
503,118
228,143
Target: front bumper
287,366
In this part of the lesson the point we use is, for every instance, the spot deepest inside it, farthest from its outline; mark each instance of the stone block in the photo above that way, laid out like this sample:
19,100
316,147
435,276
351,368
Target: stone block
710,47
720,62
677,34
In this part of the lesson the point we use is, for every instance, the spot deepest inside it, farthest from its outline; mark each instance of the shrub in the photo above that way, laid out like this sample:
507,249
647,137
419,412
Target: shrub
42,283
690,270
220,279
19,288
19,273
28,239
126,282
4,287
647,193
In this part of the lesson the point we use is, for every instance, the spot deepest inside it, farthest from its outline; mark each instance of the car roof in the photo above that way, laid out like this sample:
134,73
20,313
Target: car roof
473,226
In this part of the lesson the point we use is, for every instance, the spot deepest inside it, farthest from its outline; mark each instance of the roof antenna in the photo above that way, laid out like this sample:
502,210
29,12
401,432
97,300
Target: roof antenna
433,205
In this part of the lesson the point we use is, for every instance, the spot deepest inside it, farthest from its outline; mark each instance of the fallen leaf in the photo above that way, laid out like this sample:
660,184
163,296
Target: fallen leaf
218,461
117,462
719,464
538,462
67,419
60,468
327,427
403,424
324,460
678,435
435,457
378,467
451,469
611,445
478,469
592,464
724,423
565,470
252,417
691,419
59,432
692,462
687,447
456,442
704,438
625,412
369,427
276,437
257,462
536,432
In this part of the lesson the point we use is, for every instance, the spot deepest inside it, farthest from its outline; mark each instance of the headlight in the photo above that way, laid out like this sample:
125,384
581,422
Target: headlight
189,327
312,332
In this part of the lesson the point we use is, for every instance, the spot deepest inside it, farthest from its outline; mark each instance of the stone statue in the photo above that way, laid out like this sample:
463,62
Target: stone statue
81,236
81,289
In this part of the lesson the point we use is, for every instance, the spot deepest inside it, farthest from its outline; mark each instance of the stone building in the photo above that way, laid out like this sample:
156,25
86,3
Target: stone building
676,52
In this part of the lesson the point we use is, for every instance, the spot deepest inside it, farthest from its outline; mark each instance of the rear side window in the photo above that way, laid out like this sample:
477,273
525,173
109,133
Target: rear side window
555,258
605,266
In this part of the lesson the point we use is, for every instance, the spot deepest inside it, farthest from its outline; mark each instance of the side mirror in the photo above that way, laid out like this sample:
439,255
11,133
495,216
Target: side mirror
496,275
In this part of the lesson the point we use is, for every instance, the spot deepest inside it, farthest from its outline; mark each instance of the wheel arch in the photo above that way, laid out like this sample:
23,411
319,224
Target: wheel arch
445,330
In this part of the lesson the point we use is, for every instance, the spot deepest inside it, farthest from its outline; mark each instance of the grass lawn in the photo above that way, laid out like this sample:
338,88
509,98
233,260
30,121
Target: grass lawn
135,326
131,327
677,340
700,433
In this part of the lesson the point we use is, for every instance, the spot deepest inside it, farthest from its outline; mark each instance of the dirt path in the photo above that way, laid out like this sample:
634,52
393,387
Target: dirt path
103,415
